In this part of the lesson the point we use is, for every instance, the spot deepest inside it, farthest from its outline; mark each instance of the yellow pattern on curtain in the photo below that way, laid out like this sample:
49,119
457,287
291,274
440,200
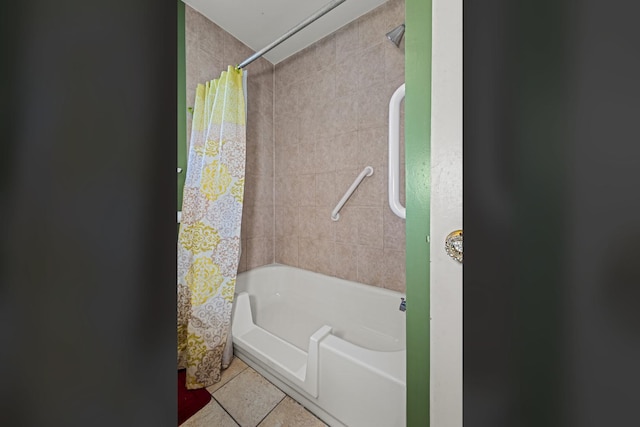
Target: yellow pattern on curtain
209,236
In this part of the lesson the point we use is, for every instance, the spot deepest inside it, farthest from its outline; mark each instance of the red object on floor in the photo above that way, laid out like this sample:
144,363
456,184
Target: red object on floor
189,401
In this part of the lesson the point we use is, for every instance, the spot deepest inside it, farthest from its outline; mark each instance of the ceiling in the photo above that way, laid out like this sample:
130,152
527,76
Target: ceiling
257,23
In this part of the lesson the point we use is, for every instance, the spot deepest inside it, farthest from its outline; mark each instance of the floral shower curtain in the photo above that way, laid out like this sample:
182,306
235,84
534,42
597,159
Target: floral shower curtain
209,236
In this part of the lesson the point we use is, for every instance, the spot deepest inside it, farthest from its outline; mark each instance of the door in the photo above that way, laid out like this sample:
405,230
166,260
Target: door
446,214
433,108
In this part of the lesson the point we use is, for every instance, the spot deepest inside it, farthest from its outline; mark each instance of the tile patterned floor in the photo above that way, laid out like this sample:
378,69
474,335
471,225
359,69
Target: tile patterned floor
245,398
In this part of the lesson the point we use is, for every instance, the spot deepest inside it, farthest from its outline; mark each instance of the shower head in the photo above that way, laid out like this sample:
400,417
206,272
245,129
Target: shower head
396,34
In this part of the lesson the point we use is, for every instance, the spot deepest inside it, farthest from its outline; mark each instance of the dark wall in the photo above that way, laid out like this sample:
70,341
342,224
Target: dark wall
551,213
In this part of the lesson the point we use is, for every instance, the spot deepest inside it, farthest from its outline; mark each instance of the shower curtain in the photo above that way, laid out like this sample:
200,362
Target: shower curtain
209,235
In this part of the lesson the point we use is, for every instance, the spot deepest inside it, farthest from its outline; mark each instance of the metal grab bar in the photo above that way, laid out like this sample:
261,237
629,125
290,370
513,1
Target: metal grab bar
368,171
394,153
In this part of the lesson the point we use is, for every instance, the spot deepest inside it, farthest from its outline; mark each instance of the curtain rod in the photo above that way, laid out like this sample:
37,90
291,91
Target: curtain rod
318,14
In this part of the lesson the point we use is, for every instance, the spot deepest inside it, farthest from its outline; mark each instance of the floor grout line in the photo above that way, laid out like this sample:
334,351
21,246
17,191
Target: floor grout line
274,406
285,395
228,381
225,410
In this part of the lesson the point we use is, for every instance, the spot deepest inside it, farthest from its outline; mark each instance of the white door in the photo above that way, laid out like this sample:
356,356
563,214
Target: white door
446,214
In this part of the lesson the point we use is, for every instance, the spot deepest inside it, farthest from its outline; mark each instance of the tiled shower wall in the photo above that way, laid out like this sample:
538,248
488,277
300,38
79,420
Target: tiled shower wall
209,50
331,120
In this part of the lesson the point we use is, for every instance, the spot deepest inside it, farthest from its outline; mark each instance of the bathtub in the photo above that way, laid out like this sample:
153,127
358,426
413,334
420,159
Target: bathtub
336,346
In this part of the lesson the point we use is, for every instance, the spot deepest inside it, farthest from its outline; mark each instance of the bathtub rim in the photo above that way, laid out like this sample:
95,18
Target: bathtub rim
349,287
368,288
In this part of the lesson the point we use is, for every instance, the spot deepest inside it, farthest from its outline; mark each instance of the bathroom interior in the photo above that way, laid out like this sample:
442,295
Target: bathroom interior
317,114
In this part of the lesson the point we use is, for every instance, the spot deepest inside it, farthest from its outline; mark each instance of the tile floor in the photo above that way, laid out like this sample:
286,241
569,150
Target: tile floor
245,398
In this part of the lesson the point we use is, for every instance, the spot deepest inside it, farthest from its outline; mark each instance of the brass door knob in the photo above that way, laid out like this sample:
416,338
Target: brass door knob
453,245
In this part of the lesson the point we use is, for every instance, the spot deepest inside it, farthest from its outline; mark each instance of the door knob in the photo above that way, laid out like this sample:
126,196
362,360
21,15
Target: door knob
453,245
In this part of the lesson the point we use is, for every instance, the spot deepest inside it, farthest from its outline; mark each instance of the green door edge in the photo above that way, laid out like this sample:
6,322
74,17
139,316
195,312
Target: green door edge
182,103
418,199
418,184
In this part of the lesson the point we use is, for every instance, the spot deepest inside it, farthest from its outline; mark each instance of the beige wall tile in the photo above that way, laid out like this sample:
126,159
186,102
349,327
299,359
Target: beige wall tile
394,275
345,261
371,266
317,89
373,108
270,251
326,251
370,226
347,40
326,154
373,28
326,194
326,53
284,72
214,42
314,118
307,218
347,226
203,32
324,228
209,66
343,114
286,221
234,50
287,251
286,194
262,77
370,66
373,145
287,130
264,153
304,187
259,98
390,86
264,125
316,255
394,230
287,159
286,100
264,191
348,74
395,13
265,221
259,155
257,252
347,156
306,254
393,61
306,158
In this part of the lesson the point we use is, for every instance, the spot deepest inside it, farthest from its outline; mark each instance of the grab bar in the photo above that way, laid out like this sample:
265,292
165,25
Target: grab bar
368,171
394,153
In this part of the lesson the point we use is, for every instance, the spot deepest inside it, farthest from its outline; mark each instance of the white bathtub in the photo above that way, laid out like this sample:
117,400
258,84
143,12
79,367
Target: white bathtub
336,346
